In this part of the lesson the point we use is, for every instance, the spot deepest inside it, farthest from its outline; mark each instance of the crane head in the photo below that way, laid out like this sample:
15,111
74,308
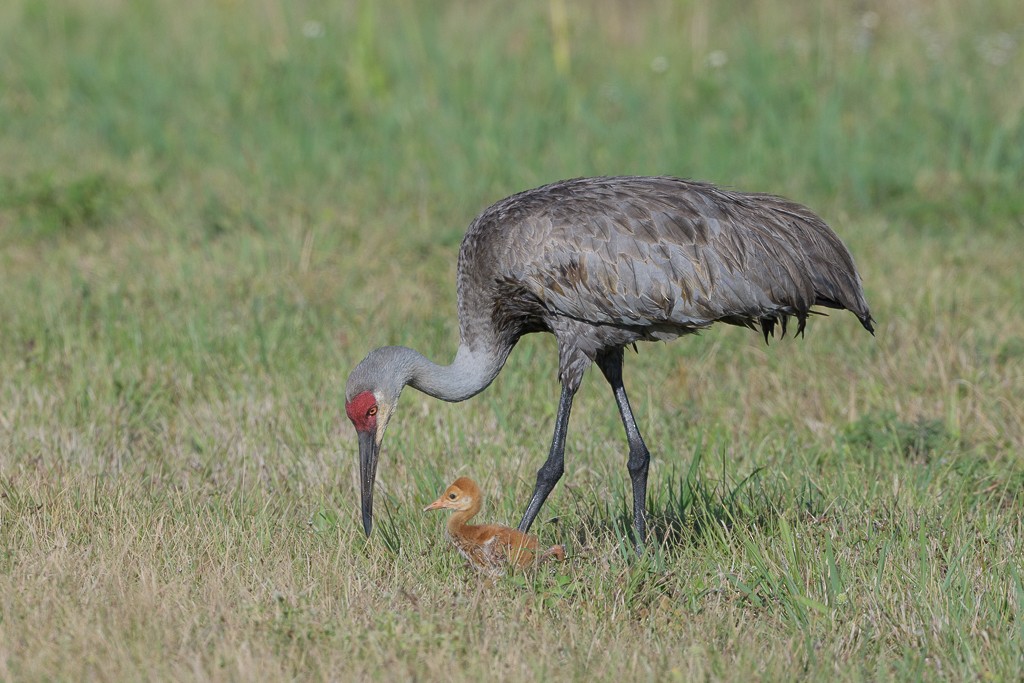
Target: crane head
461,495
364,410
370,399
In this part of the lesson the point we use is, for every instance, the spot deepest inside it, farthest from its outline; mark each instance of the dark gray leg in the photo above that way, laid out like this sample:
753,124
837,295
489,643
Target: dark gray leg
551,471
639,457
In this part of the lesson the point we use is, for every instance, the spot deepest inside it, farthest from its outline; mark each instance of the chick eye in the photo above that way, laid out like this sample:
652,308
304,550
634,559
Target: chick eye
372,411
451,496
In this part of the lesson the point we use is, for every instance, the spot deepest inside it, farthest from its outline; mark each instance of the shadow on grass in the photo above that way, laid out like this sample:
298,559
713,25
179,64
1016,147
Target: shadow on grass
686,509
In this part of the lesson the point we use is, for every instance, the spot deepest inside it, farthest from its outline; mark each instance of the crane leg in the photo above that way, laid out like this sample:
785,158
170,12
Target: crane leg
639,457
551,471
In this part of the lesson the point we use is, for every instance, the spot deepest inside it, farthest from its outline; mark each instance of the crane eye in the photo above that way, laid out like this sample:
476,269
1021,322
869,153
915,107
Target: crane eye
451,496
372,411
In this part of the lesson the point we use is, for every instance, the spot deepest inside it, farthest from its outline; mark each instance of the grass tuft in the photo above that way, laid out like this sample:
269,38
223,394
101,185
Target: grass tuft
45,207
877,431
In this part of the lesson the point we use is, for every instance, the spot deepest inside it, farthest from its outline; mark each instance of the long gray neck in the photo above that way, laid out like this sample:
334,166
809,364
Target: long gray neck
469,374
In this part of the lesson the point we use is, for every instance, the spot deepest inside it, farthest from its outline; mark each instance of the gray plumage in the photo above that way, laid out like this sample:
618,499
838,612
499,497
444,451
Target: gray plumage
603,263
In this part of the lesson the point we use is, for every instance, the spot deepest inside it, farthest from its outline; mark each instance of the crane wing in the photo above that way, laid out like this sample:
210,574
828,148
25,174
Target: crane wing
670,256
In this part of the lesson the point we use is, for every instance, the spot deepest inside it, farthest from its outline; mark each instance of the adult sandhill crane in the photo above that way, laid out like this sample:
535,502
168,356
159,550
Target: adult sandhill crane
603,263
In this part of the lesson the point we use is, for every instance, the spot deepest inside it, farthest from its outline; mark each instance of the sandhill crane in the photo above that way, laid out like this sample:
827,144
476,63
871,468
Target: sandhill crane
603,263
489,548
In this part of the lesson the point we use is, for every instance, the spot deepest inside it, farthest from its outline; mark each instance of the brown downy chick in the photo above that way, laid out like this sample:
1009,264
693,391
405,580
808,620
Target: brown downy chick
490,548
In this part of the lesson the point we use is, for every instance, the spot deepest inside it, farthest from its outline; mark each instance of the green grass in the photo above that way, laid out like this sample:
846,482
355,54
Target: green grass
210,211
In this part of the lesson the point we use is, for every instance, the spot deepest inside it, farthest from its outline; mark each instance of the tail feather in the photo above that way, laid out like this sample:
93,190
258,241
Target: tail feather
555,551
819,259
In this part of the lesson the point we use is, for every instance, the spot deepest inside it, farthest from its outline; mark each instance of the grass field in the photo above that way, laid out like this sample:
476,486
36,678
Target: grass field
210,210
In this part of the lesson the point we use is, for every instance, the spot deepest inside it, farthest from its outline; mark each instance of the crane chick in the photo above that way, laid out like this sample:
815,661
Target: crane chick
489,548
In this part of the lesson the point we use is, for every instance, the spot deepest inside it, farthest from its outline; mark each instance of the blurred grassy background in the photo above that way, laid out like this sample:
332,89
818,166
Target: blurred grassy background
209,211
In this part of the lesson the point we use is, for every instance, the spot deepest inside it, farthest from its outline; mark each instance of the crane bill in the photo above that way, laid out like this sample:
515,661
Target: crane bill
368,452
436,505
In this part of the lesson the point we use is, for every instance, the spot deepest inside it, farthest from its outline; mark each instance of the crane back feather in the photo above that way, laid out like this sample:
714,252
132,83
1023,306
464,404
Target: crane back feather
605,262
